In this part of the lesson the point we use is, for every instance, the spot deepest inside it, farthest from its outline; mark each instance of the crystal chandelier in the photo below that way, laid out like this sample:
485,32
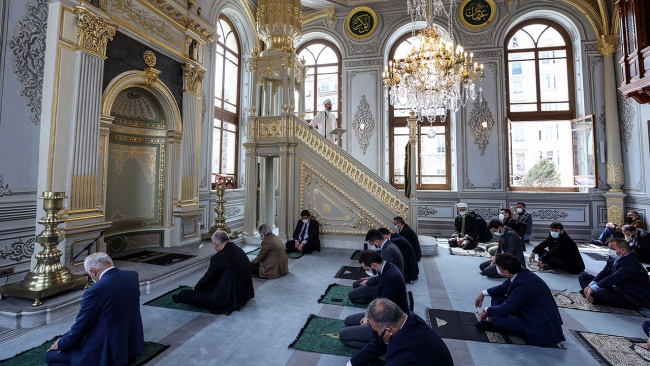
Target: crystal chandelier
437,74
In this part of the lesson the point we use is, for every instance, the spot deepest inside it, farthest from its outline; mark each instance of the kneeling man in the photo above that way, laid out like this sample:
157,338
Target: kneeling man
271,262
522,305
623,282
108,329
228,283
305,236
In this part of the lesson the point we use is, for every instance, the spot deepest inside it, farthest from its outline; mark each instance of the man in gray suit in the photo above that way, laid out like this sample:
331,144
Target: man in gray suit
509,242
363,291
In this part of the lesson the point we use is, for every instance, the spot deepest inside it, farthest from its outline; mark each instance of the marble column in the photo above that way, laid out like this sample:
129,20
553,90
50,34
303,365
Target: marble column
413,203
615,197
250,190
267,190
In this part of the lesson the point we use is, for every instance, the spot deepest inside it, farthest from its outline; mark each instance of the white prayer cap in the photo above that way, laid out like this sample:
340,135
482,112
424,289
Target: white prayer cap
327,101
462,205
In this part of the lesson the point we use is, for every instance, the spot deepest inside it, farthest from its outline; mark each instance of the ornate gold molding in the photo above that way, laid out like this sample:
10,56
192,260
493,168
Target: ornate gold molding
615,215
181,19
93,32
271,129
82,192
279,23
615,176
151,73
607,45
329,13
192,79
591,10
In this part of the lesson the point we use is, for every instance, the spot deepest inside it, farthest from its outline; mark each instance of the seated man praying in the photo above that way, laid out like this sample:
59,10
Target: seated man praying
522,305
509,242
411,269
305,236
612,229
639,240
558,251
465,230
271,262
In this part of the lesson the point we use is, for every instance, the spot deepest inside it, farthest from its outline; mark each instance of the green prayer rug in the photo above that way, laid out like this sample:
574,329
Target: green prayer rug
165,301
338,295
294,255
356,255
321,335
36,355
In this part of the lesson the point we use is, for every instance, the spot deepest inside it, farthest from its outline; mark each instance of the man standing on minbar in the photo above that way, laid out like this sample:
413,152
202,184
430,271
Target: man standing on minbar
325,121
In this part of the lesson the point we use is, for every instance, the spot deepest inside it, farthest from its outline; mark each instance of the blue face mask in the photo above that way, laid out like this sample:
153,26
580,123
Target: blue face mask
555,234
497,233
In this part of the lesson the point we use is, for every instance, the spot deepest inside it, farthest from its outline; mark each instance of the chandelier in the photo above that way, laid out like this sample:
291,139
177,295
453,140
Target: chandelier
437,74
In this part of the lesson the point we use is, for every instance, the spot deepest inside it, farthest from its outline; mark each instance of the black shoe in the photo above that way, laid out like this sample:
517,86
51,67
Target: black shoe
581,292
175,298
483,273
486,327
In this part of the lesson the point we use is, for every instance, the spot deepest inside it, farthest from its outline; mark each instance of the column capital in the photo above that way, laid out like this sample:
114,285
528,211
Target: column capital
93,32
615,176
607,44
192,79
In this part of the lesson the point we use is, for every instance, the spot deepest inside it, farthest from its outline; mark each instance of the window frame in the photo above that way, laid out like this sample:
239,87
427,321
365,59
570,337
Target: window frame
221,113
394,122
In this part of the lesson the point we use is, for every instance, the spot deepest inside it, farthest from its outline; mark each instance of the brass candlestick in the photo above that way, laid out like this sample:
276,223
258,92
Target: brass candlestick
49,276
220,210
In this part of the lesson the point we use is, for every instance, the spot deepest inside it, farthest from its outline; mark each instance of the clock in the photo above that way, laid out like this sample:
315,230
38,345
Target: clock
361,23
477,14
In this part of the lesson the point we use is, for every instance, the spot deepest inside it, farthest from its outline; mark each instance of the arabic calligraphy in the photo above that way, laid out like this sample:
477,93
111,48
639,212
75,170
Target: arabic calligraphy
132,13
361,23
478,12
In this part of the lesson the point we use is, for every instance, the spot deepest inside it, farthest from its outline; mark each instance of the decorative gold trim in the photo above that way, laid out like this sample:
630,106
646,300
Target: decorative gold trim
607,45
93,32
192,79
615,176
615,214
592,16
353,13
328,13
88,217
461,10
82,192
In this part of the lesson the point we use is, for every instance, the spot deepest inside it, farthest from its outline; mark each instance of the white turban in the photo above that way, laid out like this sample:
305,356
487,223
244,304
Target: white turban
327,101
462,205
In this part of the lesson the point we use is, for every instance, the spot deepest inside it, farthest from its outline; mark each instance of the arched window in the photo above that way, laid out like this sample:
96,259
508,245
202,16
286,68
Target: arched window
540,99
433,154
226,99
323,79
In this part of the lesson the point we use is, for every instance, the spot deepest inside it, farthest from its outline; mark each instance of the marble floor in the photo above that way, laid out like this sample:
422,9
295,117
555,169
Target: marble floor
260,333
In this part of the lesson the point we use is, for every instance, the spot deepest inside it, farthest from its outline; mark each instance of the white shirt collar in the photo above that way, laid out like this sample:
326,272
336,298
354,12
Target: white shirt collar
382,268
382,244
106,270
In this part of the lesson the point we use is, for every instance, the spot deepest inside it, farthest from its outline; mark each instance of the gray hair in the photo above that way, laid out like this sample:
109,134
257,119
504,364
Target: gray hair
265,229
620,243
220,237
384,313
98,260
628,228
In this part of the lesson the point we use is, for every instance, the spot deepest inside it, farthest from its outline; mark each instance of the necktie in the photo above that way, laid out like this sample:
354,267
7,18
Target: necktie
302,232
327,118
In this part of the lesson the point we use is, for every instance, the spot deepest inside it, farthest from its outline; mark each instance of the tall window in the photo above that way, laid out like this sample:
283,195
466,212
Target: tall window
226,99
538,57
432,154
323,62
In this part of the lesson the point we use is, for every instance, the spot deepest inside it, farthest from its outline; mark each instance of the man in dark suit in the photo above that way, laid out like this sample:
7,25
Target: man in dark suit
305,236
522,305
357,333
228,283
403,337
108,329
558,251
407,233
623,282
509,242
639,240
465,229
363,290
411,270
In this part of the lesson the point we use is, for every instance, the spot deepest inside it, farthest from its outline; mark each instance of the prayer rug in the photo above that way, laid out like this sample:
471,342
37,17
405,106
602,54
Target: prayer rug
574,300
534,268
294,255
321,335
476,252
597,256
589,245
356,255
610,350
351,273
338,295
157,258
165,301
36,355
460,325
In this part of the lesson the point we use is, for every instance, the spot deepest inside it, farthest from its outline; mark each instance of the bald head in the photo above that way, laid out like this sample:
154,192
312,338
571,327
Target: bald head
96,263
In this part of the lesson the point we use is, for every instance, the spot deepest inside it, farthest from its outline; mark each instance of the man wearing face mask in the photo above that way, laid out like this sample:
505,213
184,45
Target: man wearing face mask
403,337
623,282
611,229
522,216
520,227
639,240
96,338
509,242
411,270
325,121
227,284
522,305
305,235
558,251
357,333
407,233
363,290
465,230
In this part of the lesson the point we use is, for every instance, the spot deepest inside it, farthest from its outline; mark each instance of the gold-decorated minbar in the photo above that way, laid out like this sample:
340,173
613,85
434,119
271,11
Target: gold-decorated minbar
49,276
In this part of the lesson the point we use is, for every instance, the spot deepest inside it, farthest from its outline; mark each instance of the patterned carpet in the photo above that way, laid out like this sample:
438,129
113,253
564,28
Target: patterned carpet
574,300
611,350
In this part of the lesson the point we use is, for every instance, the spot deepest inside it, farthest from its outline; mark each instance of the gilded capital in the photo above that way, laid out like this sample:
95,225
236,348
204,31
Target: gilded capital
192,79
607,44
93,32
615,176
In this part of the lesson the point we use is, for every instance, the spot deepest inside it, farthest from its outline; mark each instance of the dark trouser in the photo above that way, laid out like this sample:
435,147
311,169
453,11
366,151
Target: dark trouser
255,269
202,299
362,294
467,244
642,258
355,335
507,324
306,249
646,327
489,269
606,296
553,262
56,358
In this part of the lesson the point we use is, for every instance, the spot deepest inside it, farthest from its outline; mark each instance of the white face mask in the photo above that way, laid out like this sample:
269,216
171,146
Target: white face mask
370,273
613,254
501,217
497,233
304,221
520,210
396,227
499,272
628,238
555,234
462,213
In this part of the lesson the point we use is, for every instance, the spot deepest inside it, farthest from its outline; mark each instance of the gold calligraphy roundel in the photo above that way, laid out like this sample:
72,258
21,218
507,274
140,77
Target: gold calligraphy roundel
477,14
361,22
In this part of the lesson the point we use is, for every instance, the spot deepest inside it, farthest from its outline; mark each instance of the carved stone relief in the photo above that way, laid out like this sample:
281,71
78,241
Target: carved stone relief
204,108
468,183
486,54
476,38
481,124
4,187
497,182
494,67
487,213
232,211
359,63
589,47
204,179
363,124
601,118
640,187
28,49
18,250
553,214
593,62
426,211
133,105
626,119
602,185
